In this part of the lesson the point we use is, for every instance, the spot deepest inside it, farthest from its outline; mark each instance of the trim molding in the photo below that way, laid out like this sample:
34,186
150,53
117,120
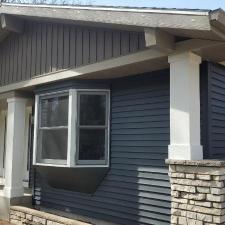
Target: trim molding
91,69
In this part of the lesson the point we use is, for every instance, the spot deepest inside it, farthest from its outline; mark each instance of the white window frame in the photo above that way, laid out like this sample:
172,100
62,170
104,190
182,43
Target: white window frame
27,140
3,125
72,144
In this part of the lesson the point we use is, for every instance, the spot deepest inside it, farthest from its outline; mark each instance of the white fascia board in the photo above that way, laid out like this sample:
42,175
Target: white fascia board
116,9
129,18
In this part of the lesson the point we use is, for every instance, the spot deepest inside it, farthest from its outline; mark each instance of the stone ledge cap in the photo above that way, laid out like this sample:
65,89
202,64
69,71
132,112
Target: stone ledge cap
47,216
209,163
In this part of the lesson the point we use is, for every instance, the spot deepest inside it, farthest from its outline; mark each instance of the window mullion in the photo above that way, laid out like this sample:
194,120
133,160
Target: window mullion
72,127
53,128
36,126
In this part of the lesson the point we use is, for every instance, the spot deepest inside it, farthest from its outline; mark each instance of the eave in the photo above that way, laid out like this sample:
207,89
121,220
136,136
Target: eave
186,23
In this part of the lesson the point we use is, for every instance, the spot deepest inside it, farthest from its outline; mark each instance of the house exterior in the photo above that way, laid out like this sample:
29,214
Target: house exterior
112,115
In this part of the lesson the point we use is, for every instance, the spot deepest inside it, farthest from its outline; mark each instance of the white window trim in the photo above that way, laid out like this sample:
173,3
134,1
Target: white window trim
26,150
72,147
3,120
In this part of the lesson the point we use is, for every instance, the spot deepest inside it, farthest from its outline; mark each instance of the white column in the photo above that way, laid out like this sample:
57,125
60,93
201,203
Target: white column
185,107
15,147
2,141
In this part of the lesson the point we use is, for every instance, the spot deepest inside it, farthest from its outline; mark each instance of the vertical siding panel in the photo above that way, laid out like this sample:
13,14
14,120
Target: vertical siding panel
7,62
66,48
93,46
100,45
1,75
4,64
54,47
20,55
116,44
73,37
24,56
43,48
108,44
11,59
60,47
79,47
29,50
34,49
38,49
133,42
15,60
125,43
141,41
86,47
49,48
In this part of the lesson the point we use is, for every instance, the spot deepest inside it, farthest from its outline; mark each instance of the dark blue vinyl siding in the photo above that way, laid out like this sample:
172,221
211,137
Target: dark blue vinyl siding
215,111
136,189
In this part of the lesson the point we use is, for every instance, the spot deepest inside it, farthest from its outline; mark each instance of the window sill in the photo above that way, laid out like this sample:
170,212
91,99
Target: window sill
72,167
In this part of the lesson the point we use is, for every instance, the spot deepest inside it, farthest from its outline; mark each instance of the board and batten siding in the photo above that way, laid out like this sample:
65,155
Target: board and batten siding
213,134
46,47
136,189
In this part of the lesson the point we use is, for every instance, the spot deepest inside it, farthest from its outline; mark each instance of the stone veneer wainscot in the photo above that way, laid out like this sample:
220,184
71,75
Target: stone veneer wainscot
26,216
197,192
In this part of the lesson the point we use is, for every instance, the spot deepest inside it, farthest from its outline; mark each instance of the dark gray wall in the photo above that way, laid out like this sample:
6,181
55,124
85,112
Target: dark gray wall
49,47
136,189
213,110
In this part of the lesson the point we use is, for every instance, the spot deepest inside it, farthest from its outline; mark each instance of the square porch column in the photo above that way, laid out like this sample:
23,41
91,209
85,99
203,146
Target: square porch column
15,137
185,107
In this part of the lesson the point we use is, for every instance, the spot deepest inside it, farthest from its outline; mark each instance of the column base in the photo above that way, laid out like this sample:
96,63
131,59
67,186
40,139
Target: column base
197,192
6,203
185,152
10,192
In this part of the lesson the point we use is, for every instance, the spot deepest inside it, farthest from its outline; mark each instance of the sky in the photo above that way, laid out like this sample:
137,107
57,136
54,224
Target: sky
192,4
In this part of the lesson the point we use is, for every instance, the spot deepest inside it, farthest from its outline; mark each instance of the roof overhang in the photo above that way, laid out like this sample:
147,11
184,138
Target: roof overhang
187,23
203,31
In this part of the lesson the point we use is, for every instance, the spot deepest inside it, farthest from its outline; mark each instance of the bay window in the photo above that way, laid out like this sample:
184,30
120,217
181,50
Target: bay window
72,128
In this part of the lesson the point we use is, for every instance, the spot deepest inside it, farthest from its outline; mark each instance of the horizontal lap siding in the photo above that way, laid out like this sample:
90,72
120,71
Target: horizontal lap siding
136,189
216,110
49,47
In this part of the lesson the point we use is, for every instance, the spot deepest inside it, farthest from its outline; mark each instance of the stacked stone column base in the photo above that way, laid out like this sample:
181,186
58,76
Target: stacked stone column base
197,192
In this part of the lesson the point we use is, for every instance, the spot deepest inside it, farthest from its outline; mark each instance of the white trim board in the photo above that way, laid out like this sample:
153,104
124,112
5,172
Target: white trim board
116,9
106,65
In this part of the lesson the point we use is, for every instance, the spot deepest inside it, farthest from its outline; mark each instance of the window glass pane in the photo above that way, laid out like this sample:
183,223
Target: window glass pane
53,144
92,109
54,111
92,144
